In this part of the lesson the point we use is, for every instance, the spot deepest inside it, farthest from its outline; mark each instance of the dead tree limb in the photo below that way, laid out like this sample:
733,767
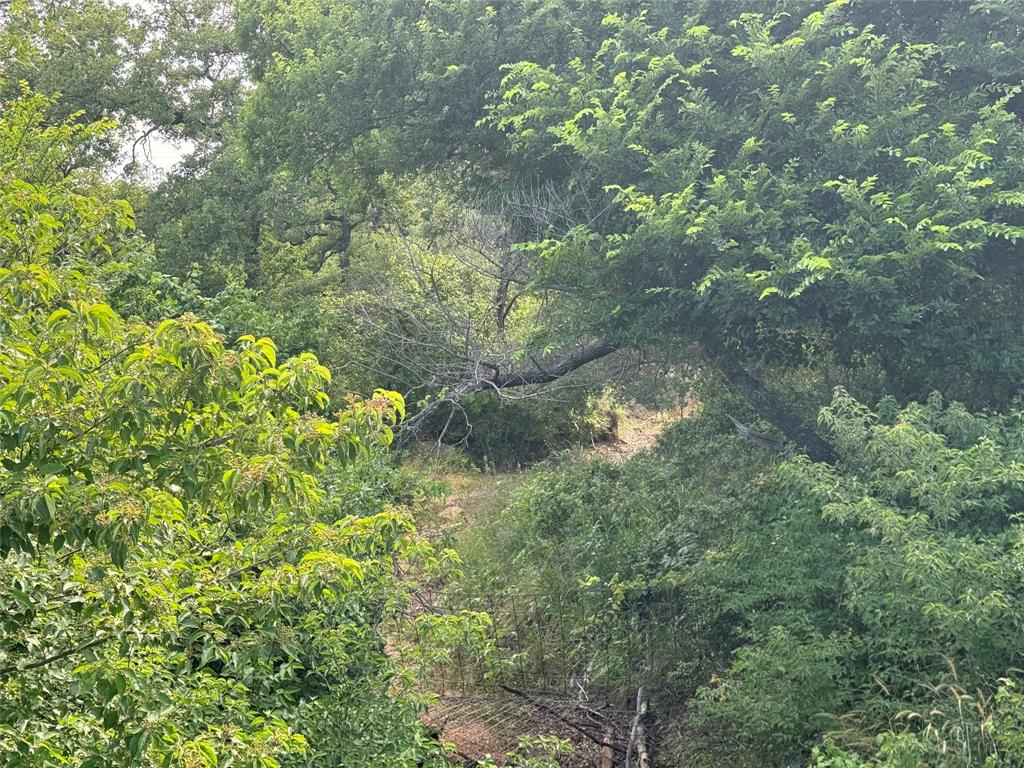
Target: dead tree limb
755,437
59,656
545,376
641,710
499,381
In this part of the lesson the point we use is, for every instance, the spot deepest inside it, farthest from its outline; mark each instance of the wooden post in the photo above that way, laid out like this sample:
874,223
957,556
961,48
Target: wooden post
607,752
642,756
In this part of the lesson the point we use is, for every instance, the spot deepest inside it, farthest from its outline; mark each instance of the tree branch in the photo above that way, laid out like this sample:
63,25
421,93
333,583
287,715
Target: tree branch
771,409
542,376
408,429
59,656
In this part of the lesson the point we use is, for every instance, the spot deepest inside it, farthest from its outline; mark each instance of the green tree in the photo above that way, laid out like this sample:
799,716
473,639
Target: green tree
791,186
170,68
347,95
179,587
783,186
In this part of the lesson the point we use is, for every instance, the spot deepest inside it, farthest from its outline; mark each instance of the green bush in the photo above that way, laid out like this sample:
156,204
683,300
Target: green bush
181,585
813,600
514,432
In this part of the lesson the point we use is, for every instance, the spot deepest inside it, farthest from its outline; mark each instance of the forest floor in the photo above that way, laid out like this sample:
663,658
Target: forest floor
637,432
488,724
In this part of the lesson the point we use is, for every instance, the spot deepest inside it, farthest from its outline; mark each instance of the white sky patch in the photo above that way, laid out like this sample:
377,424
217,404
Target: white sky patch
150,158
164,154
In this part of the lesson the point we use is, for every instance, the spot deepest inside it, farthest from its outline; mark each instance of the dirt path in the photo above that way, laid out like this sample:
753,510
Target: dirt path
473,493
481,725
638,431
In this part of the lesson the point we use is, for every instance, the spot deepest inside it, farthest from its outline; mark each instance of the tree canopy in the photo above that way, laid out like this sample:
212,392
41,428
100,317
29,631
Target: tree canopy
181,586
783,186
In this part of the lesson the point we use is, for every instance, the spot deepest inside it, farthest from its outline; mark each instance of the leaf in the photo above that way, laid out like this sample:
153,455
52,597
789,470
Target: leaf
57,316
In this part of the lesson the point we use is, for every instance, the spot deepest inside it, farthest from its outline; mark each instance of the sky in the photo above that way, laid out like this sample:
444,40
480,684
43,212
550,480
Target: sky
156,154
164,154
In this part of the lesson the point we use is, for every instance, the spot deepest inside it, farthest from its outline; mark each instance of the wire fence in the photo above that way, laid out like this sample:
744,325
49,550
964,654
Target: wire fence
572,664
492,725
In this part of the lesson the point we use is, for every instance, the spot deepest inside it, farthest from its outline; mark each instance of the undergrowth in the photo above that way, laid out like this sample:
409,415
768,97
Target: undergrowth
862,614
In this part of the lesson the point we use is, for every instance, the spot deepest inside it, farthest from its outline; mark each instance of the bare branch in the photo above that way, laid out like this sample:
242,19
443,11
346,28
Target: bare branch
59,656
502,381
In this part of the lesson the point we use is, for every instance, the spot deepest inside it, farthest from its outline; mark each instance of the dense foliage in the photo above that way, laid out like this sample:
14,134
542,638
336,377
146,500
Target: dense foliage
799,185
796,184
881,595
517,214
179,586
170,66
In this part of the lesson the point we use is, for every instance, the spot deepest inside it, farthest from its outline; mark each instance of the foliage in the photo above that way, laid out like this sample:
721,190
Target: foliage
602,543
199,564
793,184
169,66
815,600
349,96
959,729
542,752
790,184
517,432
414,309
784,186
354,245
180,588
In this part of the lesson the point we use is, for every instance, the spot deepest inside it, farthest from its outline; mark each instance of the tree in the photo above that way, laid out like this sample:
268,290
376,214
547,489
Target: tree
782,187
792,186
351,94
170,68
178,585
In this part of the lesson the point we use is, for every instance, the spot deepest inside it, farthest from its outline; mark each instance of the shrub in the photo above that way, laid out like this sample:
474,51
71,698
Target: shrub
179,588
813,599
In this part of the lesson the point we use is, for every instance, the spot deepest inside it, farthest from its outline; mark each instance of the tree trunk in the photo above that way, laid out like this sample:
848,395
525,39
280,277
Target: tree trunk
752,389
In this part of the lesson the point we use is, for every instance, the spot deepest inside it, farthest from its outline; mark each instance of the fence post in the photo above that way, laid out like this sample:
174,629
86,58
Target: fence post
607,751
517,629
564,645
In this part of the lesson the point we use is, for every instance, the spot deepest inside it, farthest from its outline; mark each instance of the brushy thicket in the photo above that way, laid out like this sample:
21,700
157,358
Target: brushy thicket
464,201
198,567
868,612
493,431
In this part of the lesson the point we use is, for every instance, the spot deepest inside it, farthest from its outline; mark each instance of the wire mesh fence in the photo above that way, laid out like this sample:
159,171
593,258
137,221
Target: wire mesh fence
566,663
491,725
